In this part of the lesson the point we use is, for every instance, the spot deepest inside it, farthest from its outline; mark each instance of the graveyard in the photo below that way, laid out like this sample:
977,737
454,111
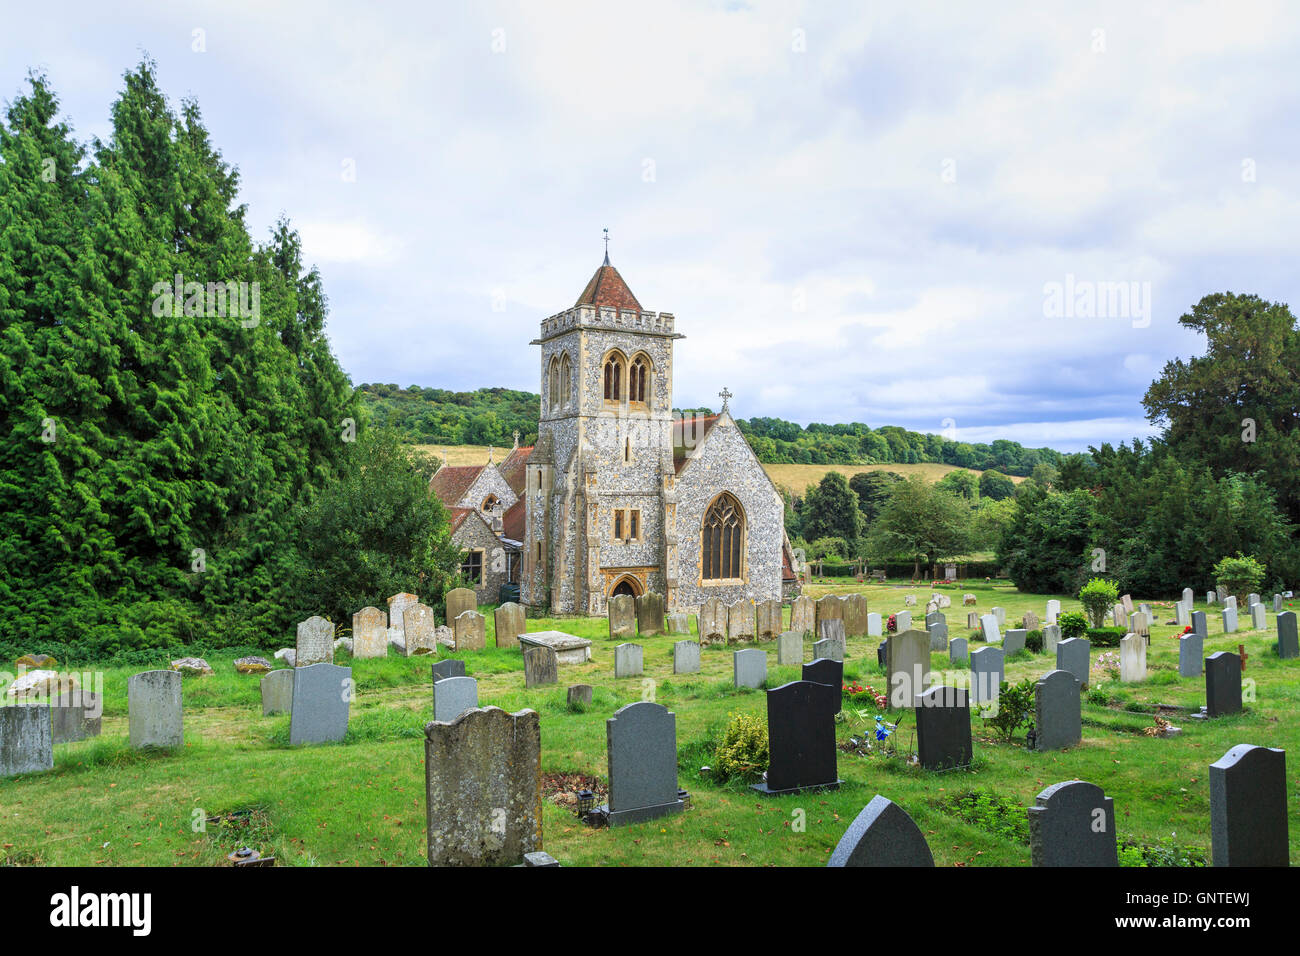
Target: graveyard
237,779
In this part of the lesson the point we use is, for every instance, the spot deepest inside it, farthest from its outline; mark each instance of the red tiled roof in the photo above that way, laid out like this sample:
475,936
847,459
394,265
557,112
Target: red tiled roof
450,482
458,516
688,434
608,288
512,523
514,469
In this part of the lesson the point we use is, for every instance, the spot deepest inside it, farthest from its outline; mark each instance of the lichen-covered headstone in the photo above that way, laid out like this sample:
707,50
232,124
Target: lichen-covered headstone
470,630
154,709
679,623
713,622
369,633
767,616
650,614
420,628
789,649
622,617
829,608
540,666
397,604
458,601
740,622
315,644
855,615
803,615
509,622
277,692
27,739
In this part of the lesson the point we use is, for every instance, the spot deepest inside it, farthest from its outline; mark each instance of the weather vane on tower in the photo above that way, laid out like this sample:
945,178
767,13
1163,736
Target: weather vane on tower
606,247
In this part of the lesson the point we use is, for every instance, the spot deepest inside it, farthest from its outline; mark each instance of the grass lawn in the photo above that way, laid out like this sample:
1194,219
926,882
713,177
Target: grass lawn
362,802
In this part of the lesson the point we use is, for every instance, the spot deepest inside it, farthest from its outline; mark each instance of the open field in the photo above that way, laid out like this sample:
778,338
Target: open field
797,478
362,801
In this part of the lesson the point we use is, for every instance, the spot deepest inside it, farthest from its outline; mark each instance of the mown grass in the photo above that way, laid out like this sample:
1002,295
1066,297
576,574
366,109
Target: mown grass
361,802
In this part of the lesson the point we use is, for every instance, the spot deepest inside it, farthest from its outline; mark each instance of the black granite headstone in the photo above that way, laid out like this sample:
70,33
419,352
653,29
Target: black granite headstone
825,670
801,738
943,728
1222,684
882,654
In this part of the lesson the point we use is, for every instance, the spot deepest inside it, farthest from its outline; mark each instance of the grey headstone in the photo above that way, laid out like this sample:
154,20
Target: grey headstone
1000,613
448,668
713,622
322,695
622,616
1058,711
469,628
1222,684
509,621
939,636
75,715
686,657
315,642
1277,604
627,660
1199,624
1288,646
154,708
1073,824
909,667
943,737
882,835
1073,655
650,614
1191,650
973,619
1229,620
539,858
1132,658
933,617
452,696
1182,614
829,647
902,621
832,629
483,788
958,650
277,692
789,649
540,666
875,627
749,667
679,624
1258,617
398,603
1051,637
1248,807
1014,642
642,743
580,694
1189,598
989,629
986,674
27,738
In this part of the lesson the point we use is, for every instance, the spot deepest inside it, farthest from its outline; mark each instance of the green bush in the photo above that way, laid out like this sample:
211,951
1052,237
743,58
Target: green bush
1034,641
1072,624
1098,597
742,751
1015,708
1239,576
1105,636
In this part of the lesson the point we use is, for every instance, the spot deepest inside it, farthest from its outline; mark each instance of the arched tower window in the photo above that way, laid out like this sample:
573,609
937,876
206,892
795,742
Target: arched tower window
638,380
615,366
566,380
553,385
723,539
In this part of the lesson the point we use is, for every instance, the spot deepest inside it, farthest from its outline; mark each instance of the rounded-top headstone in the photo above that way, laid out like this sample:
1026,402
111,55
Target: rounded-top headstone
882,835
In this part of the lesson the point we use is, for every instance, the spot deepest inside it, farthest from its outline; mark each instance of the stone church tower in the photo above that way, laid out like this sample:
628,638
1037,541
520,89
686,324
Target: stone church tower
602,484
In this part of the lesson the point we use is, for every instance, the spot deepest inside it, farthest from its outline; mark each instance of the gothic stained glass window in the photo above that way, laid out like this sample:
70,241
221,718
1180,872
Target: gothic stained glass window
723,539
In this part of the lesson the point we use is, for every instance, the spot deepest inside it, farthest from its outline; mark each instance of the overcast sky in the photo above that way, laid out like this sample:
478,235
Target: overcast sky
855,214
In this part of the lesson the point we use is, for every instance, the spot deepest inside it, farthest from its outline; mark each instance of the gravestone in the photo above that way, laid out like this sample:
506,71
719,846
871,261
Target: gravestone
627,660
154,709
322,694
1058,711
1258,617
1030,621
1051,637
969,600
973,619
939,636
1132,658
909,600
740,622
830,647
803,615
541,666
789,649
369,633
315,643
622,617
1252,599
277,692
831,630
823,670
943,737
855,615
469,630
27,738
1014,642
909,667
874,625
448,668
1073,655
75,714
989,629
1229,620
1248,807
749,667
1277,604
1053,611
1222,684
1191,651
829,608
1288,646
1000,614
452,696
650,614
1073,824
508,622
1119,617
641,740
1210,597
686,657
679,623
1182,614
1199,624
420,628
1138,624
398,603
801,738
1230,600
882,835
580,695
1189,598
902,621
986,674
1127,601
713,622
460,600
958,650
483,788
768,620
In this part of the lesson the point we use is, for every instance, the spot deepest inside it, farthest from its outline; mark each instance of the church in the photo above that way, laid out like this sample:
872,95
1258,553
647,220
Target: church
620,496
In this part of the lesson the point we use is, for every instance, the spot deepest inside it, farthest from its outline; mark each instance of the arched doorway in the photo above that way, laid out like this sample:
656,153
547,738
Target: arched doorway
626,585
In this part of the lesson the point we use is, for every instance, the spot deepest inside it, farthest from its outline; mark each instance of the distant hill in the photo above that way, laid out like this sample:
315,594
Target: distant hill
491,416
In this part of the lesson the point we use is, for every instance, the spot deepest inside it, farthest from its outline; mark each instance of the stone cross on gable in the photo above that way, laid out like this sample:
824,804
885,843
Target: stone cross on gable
516,438
726,396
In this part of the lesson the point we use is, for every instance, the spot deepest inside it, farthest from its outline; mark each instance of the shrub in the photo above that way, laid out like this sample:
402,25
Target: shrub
1072,624
743,749
1105,636
1034,641
1014,708
1098,597
1239,576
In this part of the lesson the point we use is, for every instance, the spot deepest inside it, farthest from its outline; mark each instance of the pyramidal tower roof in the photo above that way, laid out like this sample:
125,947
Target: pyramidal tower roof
607,288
